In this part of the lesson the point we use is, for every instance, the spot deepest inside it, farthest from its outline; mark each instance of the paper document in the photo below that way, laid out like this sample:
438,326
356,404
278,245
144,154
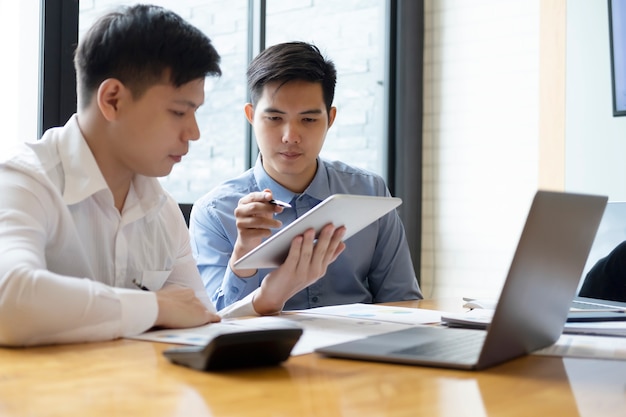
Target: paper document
200,336
480,319
322,326
600,328
325,326
376,312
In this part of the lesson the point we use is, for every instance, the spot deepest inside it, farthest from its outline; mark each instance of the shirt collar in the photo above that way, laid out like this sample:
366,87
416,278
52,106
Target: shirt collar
145,197
82,174
319,188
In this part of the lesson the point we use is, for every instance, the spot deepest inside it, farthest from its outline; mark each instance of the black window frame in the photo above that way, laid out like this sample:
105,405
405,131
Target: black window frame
404,97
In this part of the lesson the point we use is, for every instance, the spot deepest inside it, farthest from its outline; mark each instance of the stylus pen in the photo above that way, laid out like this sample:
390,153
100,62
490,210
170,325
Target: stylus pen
280,203
140,285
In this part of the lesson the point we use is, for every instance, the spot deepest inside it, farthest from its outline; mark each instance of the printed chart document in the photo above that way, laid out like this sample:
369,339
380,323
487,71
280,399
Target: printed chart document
325,326
322,326
202,335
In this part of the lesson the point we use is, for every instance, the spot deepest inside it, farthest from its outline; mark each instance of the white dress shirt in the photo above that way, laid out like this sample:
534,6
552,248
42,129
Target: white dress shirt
68,257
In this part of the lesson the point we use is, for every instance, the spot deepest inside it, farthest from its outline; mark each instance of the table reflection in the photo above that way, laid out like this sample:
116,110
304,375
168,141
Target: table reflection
538,383
599,386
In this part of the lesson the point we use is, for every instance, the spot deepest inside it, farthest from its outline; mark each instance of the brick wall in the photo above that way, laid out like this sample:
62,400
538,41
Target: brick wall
350,32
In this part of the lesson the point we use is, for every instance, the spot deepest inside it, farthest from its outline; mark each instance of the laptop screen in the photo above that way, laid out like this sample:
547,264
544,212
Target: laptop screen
604,276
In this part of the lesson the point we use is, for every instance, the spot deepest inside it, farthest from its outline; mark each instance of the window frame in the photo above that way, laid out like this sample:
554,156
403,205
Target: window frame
404,18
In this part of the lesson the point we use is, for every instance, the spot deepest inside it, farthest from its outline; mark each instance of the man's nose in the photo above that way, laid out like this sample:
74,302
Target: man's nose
291,133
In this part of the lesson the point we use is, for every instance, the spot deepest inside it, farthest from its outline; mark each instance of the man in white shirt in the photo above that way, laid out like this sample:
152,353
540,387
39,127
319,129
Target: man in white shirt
85,227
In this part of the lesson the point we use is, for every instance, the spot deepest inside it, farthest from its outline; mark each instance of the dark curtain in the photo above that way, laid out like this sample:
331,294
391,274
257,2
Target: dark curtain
405,116
57,102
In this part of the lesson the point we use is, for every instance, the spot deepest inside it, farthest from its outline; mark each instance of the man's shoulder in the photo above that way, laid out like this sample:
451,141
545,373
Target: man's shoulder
342,168
31,159
353,180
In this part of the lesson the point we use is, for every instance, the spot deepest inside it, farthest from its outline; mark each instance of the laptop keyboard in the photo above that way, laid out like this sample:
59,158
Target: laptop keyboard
460,346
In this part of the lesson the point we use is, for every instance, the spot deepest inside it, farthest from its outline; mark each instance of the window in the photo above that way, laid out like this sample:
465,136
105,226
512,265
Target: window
20,50
377,46
350,32
221,151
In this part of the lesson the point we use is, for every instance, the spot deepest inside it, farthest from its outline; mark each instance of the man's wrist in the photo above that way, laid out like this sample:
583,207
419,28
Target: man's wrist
237,254
263,307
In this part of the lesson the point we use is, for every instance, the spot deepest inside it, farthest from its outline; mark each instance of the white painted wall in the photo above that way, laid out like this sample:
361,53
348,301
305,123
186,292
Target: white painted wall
595,160
481,140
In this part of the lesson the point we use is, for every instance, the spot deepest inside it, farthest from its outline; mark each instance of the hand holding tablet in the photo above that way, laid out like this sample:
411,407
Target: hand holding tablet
352,211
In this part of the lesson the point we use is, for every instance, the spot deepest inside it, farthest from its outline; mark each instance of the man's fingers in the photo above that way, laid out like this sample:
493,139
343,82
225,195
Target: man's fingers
310,256
213,317
335,246
256,206
258,222
259,196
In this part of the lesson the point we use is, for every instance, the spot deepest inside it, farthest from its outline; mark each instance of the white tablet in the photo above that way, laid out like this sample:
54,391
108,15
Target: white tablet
349,210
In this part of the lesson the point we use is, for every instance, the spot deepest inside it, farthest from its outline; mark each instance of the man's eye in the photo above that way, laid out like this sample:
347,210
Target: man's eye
177,113
273,118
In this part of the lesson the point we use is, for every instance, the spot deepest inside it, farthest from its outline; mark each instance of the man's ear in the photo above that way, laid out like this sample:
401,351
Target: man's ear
249,111
109,95
331,116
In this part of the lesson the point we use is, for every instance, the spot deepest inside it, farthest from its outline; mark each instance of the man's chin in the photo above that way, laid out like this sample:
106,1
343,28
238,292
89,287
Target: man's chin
159,172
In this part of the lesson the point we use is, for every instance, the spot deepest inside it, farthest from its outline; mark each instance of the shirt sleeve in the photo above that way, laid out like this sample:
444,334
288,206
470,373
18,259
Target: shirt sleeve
212,246
241,308
40,307
392,277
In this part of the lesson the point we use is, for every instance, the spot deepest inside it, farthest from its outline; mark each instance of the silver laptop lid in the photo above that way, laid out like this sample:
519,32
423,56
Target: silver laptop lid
543,277
533,304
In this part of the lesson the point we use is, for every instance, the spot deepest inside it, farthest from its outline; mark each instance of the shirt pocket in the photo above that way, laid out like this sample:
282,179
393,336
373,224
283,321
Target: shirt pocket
154,280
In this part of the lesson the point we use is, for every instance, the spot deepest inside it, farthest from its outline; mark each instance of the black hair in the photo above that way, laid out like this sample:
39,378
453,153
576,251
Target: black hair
136,45
288,62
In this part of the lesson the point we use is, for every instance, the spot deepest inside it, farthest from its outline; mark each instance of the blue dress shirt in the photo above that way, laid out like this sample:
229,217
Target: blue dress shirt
375,267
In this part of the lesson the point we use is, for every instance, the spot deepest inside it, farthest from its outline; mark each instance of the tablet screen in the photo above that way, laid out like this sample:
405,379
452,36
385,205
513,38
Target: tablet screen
352,211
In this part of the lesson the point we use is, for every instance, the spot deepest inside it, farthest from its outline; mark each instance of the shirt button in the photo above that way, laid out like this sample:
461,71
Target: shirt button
314,299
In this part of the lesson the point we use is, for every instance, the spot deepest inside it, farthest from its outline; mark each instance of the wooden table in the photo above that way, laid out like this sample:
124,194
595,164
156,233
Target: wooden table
132,378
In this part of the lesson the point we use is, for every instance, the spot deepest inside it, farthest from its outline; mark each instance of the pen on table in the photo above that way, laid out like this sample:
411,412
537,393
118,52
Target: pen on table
280,203
140,285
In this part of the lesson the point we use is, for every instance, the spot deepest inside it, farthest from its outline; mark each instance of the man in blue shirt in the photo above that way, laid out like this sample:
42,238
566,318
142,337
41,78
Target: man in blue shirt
292,89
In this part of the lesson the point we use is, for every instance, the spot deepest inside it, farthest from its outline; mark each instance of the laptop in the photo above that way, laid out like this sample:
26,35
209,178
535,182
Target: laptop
534,301
601,285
